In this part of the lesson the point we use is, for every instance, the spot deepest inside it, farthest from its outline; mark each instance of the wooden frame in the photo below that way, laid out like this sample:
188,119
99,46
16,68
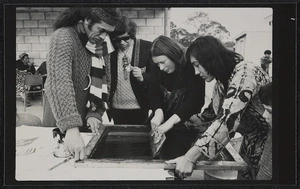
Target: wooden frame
237,164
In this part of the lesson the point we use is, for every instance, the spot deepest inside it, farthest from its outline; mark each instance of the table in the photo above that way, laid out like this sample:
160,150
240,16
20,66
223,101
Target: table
35,166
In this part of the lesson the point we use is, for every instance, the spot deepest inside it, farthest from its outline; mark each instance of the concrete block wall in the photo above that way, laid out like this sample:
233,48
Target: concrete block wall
34,27
33,31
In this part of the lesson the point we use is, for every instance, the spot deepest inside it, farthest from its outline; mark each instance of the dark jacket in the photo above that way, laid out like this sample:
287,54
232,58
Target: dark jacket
21,66
193,84
139,88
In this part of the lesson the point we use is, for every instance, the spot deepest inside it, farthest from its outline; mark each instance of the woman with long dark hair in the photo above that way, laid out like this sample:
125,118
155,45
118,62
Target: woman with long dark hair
175,92
235,106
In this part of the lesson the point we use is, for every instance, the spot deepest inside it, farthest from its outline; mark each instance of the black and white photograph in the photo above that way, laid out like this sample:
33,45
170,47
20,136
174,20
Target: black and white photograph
144,93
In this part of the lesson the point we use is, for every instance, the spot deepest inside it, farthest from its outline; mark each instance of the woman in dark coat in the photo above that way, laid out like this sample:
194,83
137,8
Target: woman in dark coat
175,92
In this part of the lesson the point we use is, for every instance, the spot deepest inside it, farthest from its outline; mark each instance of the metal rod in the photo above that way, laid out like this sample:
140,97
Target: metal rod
64,161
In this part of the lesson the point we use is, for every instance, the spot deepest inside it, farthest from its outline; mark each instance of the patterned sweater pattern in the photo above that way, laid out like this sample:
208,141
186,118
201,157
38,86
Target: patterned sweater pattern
68,64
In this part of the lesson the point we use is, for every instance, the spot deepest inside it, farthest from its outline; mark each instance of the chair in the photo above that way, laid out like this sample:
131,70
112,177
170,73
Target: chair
33,80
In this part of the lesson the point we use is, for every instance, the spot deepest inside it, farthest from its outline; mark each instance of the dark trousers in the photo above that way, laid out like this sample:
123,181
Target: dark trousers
129,117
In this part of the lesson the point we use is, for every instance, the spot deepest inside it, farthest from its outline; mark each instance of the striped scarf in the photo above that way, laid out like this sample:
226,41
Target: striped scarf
97,78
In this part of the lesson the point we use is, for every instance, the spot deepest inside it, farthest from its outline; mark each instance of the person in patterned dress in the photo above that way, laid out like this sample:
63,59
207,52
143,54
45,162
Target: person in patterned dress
22,69
235,107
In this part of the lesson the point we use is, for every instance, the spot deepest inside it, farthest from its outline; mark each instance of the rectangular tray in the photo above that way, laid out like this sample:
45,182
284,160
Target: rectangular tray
120,135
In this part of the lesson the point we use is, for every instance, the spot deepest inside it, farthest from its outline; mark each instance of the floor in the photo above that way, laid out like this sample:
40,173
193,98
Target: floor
36,107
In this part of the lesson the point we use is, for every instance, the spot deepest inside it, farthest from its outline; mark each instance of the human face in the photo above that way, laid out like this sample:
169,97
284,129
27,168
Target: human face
30,62
164,63
199,70
98,31
122,41
26,59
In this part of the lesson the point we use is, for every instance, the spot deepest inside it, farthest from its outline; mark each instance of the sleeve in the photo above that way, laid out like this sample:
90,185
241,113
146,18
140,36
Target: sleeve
202,121
154,92
148,61
98,113
146,75
59,89
240,91
194,96
18,65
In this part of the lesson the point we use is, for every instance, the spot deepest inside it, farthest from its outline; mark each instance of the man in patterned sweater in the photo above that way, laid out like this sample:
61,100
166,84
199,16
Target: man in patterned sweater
68,67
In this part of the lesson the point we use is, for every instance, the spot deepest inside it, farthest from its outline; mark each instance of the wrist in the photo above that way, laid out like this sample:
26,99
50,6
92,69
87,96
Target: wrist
73,130
193,154
174,119
189,160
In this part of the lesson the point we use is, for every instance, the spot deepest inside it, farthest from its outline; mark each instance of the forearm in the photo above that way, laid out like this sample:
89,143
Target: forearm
174,119
60,88
193,154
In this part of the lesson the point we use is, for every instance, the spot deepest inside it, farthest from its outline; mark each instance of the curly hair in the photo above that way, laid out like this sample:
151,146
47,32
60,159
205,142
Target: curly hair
125,25
71,16
214,57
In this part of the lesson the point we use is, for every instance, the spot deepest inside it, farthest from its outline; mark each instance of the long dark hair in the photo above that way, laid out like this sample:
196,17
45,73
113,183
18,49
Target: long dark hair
214,57
173,50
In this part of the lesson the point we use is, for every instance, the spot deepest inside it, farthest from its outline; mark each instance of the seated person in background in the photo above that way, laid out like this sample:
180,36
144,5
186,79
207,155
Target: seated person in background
22,68
24,64
21,87
128,73
31,68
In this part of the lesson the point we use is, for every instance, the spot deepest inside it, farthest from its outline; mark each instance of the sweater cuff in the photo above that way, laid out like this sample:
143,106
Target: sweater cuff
94,114
69,122
182,115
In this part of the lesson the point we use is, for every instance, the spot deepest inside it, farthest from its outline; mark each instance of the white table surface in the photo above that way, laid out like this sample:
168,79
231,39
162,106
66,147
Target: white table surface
35,166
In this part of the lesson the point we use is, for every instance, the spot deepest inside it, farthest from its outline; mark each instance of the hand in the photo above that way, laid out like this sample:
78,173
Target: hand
184,168
137,73
163,128
74,143
94,123
157,119
174,119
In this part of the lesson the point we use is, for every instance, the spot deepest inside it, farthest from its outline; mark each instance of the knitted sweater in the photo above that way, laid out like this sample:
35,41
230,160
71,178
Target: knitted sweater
68,64
139,88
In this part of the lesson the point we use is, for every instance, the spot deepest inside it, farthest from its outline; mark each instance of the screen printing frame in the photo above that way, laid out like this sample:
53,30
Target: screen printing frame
237,164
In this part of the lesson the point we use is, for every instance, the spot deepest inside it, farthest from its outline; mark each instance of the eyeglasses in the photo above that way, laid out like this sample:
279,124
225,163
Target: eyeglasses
119,39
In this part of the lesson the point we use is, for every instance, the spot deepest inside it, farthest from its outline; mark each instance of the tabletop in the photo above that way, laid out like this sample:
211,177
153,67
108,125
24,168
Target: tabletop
34,158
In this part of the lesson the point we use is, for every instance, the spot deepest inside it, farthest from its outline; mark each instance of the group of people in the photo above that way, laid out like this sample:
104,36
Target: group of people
96,64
